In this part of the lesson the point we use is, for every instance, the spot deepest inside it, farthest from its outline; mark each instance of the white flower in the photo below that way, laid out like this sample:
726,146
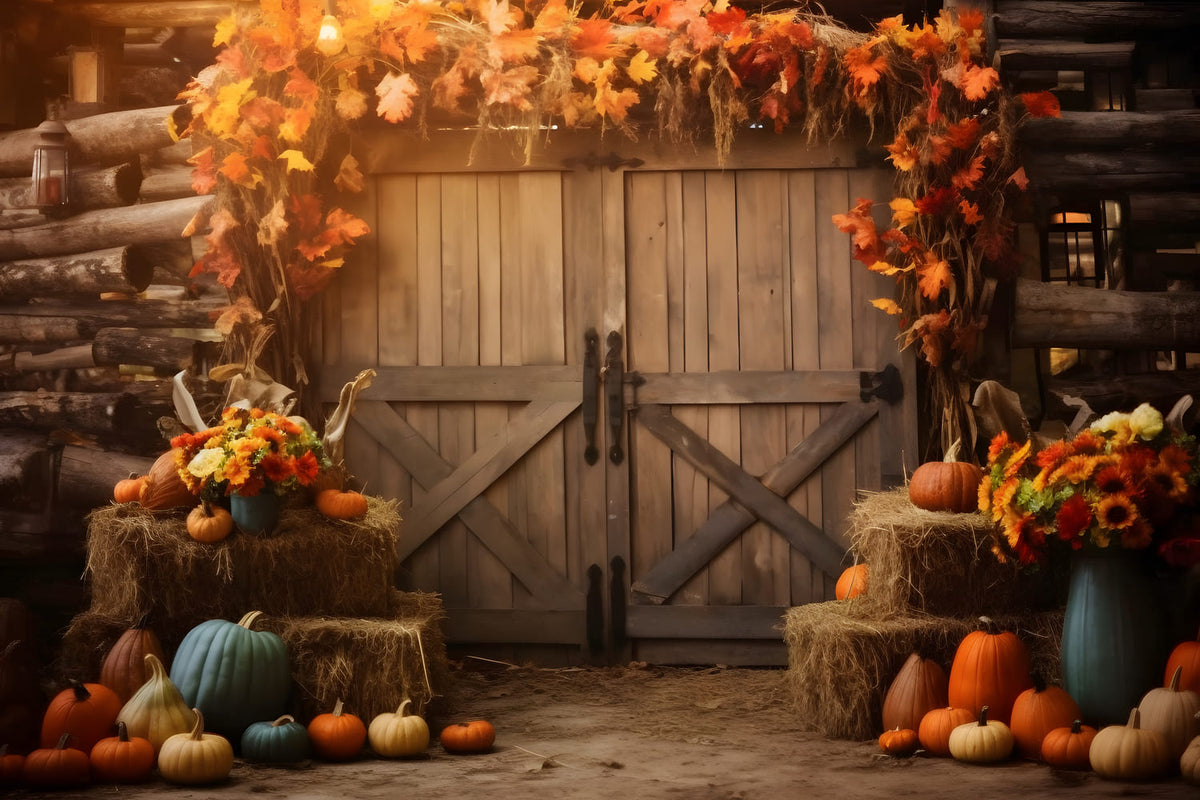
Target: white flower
206,462
1110,422
1146,421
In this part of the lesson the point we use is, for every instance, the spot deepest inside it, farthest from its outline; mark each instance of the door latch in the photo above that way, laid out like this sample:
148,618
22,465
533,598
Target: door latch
614,395
591,392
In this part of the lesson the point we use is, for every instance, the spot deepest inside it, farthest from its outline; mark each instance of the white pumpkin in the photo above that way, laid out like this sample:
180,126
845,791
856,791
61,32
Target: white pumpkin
399,734
1172,712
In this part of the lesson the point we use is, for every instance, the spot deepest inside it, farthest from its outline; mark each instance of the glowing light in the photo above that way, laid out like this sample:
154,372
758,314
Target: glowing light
329,38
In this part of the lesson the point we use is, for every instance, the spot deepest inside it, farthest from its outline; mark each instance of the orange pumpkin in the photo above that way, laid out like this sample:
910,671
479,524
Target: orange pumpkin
851,583
11,767
468,737
124,667
936,726
122,759
990,668
1185,656
85,711
57,767
1069,747
164,489
900,742
209,524
337,736
338,504
1036,712
919,687
947,485
128,490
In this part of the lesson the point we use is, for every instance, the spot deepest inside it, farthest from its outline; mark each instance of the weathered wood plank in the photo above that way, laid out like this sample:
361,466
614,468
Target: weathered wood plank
1171,211
1024,54
706,622
1048,315
111,270
135,14
167,354
1163,170
747,386
1065,18
103,413
1090,129
730,519
491,528
88,188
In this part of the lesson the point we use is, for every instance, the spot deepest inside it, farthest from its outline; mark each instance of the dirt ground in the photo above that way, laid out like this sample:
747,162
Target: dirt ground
643,732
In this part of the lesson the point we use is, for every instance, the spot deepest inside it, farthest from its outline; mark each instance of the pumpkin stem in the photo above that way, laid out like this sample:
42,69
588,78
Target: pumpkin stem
154,665
401,710
248,620
82,695
122,731
1077,726
983,717
206,504
1174,684
952,451
62,741
337,708
1039,683
1135,719
198,726
284,720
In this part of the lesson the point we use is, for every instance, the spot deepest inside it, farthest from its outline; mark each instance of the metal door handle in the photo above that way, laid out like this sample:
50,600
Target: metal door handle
614,388
591,392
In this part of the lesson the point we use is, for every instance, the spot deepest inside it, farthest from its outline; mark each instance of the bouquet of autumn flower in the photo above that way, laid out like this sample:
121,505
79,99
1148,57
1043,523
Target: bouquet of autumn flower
1128,481
248,451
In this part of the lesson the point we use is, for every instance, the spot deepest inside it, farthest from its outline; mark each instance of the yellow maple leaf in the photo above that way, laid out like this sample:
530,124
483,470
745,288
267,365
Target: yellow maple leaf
225,29
904,211
332,263
642,68
887,305
223,119
296,122
296,161
935,275
885,268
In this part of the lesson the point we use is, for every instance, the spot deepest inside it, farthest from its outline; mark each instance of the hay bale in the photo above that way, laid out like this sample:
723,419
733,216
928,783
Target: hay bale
842,659
934,561
372,664
144,563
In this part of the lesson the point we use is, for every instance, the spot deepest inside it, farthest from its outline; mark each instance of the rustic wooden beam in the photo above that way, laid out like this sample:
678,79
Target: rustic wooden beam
75,357
99,140
1176,211
141,14
60,323
1018,19
1105,393
1056,54
88,189
167,184
86,476
1165,99
108,227
111,270
1113,129
751,386
131,346
479,384
704,622
1116,171
79,412
1055,315
23,462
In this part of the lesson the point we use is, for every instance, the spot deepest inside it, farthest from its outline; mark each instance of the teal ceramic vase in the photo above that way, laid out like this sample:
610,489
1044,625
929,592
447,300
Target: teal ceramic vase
1114,636
255,514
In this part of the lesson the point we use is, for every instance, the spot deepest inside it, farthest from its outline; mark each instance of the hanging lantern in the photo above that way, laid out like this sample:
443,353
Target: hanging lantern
329,37
50,170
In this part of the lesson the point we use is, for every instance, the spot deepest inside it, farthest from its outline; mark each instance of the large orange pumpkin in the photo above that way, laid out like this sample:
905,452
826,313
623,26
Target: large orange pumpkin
947,485
1036,712
919,687
851,583
86,711
1185,656
990,668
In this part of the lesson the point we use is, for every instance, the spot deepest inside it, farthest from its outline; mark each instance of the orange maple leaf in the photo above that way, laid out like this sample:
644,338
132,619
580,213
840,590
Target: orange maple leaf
343,227
903,155
301,86
727,22
510,87
961,135
296,122
671,14
933,276
552,18
595,39
349,177
655,41
1019,179
970,211
235,169
865,68
978,82
450,86
859,223
396,92
204,171
970,19
418,42
937,201
514,46
1041,104
968,177
930,330
241,312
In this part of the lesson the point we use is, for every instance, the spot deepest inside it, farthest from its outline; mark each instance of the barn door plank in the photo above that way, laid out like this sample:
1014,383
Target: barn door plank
489,462
765,504
730,519
496,532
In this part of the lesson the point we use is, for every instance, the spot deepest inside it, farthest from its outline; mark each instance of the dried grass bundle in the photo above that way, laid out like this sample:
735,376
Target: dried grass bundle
143,563
841,659
936,562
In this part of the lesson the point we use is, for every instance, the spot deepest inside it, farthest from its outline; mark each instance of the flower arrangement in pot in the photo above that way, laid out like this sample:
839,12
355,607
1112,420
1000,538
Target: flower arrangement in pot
1118,500
251,453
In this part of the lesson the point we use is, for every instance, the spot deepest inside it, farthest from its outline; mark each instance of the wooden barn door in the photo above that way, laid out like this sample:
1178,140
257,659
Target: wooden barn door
759,370
602,392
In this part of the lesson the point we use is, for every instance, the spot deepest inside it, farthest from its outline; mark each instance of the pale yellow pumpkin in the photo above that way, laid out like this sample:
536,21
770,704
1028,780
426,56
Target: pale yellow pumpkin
399,734
157,710
197,757
983,741
1189,762
1128,752
1172,712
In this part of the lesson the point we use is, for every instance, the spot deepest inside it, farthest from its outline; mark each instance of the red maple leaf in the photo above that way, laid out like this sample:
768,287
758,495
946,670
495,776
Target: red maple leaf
929,329
726,22
968,177
1041,104
938,201
204,171
962,135
859,223
595,38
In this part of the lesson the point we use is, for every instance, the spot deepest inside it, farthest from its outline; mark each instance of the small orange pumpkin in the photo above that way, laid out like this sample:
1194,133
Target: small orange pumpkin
899,742
121,758
164,489
468,737
947,485
57,767
1068,748
128,490
11,767
338,504
208,523
936,726
337,735
1036,712
851,583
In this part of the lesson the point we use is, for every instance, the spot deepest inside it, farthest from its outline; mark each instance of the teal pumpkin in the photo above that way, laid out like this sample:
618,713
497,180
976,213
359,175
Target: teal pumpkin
283,741
234,675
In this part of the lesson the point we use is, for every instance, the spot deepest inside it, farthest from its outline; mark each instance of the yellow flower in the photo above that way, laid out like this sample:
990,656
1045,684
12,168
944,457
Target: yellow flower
206,462
1116,512
1146,422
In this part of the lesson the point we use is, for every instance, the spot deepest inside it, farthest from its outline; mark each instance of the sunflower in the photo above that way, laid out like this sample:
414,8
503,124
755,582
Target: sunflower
1116,512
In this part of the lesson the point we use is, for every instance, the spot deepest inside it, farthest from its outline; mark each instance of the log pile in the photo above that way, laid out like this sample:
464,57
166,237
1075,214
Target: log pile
97,315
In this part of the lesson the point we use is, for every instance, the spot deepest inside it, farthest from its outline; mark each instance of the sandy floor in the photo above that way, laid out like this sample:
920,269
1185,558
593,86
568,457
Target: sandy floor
643,732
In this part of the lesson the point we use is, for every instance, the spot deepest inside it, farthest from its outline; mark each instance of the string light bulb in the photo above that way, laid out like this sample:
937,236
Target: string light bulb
329,37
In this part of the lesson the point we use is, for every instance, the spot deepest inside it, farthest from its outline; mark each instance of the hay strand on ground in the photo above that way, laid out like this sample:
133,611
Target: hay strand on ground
932,561
842,657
